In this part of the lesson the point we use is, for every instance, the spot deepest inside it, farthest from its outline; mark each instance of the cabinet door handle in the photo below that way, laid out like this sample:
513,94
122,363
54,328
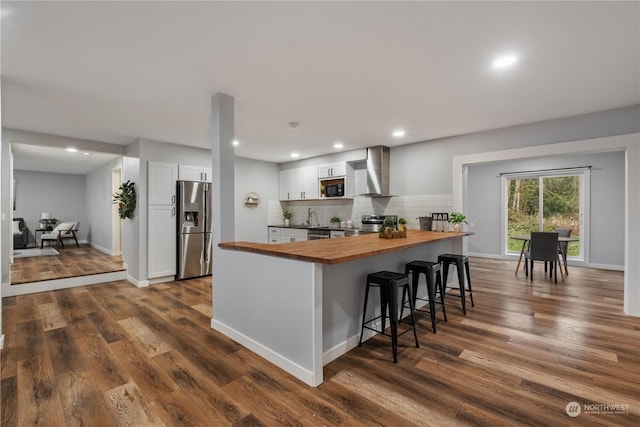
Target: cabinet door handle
173,211
173,199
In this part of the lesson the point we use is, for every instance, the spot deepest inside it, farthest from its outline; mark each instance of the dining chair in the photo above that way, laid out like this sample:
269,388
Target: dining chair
563,246
543,247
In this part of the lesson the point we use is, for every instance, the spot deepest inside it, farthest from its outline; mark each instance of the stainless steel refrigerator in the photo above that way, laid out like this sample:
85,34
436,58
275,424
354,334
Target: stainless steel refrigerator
194,229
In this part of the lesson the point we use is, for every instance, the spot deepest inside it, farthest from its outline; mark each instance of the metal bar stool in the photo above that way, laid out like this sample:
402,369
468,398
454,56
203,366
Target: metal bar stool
462,265
388,282
431,271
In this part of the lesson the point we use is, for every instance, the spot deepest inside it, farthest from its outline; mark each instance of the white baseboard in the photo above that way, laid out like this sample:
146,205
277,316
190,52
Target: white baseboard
2,341
605,266
101,249
138,283
571,262
164,279
56,284
293,368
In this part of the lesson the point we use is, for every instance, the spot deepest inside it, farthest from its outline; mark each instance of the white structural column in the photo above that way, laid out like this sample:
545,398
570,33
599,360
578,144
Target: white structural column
222,119
632,227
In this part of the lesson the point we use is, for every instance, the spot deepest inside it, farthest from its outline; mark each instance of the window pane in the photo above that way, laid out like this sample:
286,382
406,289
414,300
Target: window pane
561,199
522,210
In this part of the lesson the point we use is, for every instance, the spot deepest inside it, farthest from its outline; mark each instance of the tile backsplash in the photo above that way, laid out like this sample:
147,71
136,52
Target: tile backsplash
408,207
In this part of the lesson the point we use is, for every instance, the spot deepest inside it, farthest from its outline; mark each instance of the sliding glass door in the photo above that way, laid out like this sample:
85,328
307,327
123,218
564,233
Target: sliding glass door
539,201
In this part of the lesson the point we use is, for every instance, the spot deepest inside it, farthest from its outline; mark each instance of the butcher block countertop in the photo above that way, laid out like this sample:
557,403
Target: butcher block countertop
343,249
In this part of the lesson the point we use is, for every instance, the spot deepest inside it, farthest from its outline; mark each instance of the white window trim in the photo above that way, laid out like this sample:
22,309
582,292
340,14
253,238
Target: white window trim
585,192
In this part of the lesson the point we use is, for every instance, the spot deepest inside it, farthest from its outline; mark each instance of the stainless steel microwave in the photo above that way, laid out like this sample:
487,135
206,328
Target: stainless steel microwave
334,190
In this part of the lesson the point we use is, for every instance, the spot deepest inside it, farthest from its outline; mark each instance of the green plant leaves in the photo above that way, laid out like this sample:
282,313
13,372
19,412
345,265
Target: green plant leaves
126,199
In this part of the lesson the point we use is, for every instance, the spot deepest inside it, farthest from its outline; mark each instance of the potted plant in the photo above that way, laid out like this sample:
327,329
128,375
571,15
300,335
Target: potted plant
287,216
387,229
457,218
402,224
48,223
334,221
126,199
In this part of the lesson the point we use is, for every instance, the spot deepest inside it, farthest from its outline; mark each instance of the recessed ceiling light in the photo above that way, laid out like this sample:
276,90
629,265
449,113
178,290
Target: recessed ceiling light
87,154
338,145
71,149
295,155
235,143
505,61
398,133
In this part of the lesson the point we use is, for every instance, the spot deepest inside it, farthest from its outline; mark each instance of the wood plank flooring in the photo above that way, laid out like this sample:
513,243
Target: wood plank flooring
72,261
114,355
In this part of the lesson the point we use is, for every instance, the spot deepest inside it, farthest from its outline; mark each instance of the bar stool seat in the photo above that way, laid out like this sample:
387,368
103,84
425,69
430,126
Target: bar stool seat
462,265
431,271
388,282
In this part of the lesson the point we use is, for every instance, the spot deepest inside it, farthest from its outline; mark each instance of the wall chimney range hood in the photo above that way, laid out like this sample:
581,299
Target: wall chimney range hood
377,172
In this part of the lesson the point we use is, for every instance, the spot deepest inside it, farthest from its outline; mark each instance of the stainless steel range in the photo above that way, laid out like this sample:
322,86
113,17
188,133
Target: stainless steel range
373,223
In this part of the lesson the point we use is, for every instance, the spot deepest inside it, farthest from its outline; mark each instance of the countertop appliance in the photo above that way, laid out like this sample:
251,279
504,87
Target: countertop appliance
372,223
194,229
334,190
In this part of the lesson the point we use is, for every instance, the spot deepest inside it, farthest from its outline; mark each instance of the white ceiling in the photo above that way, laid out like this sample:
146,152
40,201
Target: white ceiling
57,160
347,71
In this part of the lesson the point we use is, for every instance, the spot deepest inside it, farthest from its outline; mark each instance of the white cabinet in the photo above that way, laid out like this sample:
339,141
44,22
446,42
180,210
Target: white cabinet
291,235
329,170
161,252
274,235
337,233
287,235
162,183
299,184
194,173
161,220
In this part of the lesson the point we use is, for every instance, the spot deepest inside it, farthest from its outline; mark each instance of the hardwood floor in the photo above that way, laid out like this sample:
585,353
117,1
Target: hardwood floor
72,261
114,355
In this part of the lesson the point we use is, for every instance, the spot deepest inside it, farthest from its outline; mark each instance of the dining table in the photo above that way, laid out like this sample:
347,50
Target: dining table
527,238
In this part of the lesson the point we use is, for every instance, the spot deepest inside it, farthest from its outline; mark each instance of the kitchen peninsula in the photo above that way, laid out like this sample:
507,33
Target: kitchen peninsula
299,305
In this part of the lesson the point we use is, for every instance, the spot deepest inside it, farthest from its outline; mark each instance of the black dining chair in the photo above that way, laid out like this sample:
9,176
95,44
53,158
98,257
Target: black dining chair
563,246
543,247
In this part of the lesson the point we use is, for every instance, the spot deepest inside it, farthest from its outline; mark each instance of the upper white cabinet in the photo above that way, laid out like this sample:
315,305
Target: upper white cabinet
194,173
329,170
162,183
299,184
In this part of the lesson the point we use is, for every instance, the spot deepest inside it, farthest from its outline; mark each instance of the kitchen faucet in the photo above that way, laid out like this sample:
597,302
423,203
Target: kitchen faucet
310,216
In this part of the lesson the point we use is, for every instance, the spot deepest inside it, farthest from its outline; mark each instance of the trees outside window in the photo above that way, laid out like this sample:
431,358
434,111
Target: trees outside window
542,202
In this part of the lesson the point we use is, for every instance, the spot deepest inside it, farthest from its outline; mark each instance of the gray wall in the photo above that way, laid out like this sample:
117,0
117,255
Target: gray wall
426,167
262,178
98,198
606,207
131,227
62,195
